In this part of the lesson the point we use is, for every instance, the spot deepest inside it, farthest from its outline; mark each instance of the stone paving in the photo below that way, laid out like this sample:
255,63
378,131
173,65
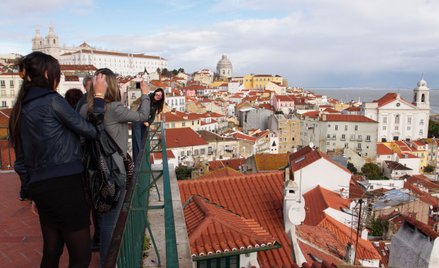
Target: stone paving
20,236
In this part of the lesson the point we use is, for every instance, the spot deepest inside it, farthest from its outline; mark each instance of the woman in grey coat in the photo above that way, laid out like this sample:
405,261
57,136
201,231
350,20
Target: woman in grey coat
116,121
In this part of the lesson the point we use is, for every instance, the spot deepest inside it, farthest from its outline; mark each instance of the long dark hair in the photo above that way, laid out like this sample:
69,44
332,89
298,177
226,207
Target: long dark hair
158,104
38,70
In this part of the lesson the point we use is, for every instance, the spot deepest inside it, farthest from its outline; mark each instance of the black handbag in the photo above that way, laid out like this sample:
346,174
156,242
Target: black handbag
102,173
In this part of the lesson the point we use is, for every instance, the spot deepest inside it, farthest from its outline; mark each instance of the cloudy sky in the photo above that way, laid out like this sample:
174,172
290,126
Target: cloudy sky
313,43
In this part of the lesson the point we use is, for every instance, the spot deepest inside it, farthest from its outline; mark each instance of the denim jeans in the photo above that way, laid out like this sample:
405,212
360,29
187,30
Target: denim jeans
108,223
138,130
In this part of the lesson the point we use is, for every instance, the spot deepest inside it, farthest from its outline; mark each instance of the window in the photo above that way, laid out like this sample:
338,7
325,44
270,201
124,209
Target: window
384,128
409,120
356,127
196,152
2,84
3,104
202,151
367,138
11,83
397,119
336,127
384,119
343,137
421,122
183,124
346,127
225,262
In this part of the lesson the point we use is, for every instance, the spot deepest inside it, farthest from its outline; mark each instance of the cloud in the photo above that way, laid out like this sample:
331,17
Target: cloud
305,41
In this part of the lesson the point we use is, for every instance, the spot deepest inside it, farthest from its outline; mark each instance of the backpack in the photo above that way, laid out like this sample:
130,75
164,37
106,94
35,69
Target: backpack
101,171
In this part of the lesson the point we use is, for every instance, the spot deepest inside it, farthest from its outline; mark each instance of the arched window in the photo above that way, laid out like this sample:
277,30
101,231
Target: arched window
397,119
423,98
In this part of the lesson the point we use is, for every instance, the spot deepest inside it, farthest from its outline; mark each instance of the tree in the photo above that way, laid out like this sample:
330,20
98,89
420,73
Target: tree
372,171
428,169
352,168
433,129
183,172
378,227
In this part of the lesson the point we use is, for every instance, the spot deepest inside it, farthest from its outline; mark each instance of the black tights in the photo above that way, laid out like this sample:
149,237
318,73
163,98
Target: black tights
77,242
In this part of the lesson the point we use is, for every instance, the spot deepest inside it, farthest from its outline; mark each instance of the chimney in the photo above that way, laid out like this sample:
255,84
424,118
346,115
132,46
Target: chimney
350,254
293,205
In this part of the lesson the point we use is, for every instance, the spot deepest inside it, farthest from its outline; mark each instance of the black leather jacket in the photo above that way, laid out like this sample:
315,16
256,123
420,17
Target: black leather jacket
50,129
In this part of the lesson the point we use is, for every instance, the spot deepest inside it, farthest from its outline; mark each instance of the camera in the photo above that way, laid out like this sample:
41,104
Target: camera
137,85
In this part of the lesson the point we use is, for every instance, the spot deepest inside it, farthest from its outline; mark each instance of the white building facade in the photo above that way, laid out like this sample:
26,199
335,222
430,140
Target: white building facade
120,63
399,119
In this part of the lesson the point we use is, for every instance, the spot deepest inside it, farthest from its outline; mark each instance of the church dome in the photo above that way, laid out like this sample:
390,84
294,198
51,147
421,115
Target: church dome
422,83
224,63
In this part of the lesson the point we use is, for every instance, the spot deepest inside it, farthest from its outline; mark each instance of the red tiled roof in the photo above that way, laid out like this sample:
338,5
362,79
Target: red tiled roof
311,252
347,118
382,149
383,250
284,98
353,109
183,137
158,83
388,98
177,116
331,110
76,67
422,187
344,234
71,78
311,114
320,243
396,166
307,156
355,190
255,196
221,172
214,230
319,199
233,163
406,155
241,136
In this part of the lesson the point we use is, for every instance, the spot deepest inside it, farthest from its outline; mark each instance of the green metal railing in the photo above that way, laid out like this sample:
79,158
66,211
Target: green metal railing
126,249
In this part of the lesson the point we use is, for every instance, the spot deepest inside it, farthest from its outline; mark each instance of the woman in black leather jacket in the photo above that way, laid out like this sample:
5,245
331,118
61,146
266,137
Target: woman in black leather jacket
45,134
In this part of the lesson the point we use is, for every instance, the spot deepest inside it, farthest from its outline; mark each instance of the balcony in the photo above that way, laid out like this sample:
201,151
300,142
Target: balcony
145,211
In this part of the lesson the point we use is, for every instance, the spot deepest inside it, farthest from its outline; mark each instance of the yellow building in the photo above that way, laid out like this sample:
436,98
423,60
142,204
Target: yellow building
260,80
288,130
416,148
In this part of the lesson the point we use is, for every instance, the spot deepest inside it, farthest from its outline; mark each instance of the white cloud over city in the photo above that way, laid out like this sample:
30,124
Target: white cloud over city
312,43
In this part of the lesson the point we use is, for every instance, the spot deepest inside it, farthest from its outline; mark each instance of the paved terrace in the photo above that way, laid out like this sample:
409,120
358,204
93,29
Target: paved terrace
20,236
21,243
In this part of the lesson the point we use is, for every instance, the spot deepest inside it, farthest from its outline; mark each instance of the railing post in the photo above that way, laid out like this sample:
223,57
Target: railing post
171,245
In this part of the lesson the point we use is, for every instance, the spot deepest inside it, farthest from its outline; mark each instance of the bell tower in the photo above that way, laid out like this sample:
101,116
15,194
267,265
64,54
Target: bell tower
37,41
421,95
